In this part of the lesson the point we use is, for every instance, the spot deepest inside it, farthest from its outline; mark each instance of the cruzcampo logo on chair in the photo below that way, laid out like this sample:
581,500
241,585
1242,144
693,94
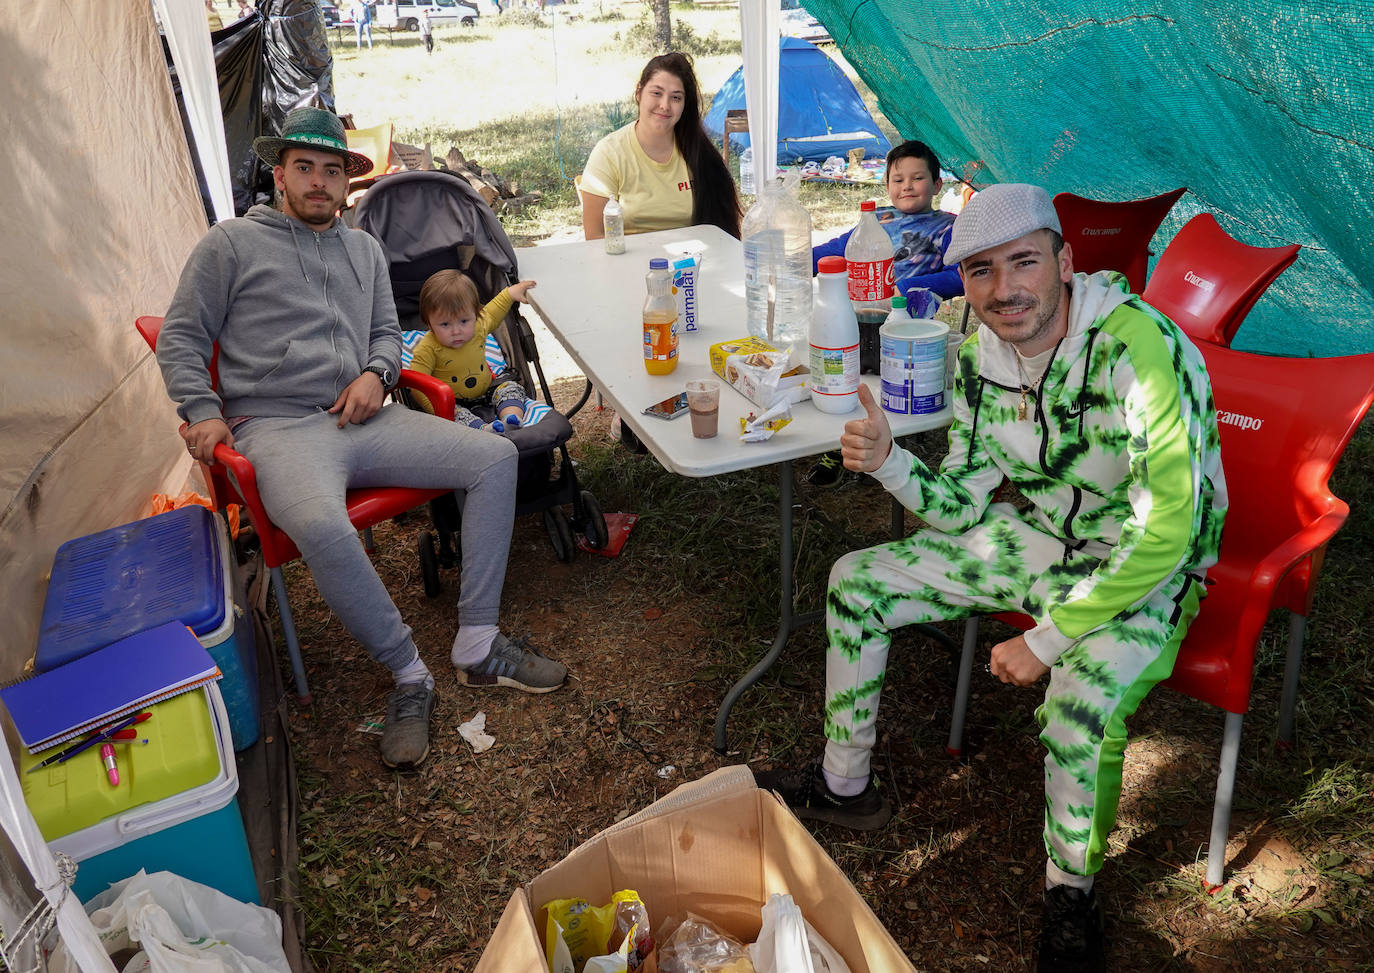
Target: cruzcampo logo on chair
311,128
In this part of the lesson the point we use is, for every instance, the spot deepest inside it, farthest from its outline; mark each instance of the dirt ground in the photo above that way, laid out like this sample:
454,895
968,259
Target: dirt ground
411,871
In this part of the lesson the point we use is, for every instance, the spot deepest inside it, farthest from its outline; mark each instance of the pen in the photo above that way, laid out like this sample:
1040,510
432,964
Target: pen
95,738
108,757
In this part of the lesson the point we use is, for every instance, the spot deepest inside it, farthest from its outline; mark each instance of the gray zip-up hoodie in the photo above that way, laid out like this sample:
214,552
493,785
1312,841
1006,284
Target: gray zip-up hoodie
297,314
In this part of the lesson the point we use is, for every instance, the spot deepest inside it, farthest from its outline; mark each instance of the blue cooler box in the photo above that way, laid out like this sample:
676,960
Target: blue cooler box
172,567
196,833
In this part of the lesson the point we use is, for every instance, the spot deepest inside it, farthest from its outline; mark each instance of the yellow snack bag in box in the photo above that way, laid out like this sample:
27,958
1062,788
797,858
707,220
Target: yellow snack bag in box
578,930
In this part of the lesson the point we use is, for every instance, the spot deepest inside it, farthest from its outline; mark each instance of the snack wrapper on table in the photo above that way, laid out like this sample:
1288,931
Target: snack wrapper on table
763,374
760,428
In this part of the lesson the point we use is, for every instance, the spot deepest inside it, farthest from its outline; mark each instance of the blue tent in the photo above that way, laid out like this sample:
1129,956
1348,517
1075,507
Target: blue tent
819,112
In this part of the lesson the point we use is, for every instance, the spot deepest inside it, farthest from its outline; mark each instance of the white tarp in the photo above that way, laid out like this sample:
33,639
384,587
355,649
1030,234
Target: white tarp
79,936
189,42
759,24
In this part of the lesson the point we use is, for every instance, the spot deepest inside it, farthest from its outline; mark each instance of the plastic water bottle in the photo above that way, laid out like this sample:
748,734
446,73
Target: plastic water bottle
613,222
868,257
660,319
834,342
777,267
746,171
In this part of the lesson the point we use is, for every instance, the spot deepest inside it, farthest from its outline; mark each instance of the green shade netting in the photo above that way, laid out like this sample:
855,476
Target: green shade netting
1262,109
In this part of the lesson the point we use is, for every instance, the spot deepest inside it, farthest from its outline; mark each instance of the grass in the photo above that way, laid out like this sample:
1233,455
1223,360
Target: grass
1311,810
563,85
952,878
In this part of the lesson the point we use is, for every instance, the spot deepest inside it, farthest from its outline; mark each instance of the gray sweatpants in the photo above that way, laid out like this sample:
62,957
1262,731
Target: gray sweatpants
304,467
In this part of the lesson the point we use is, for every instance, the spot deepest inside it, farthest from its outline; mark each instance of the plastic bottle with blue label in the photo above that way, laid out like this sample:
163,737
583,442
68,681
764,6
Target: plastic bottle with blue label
834,342
660,319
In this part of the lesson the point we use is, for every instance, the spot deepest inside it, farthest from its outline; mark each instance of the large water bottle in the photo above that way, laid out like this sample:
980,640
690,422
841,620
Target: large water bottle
777,267
868,258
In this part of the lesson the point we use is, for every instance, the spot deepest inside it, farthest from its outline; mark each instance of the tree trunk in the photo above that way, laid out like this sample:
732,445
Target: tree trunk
663,29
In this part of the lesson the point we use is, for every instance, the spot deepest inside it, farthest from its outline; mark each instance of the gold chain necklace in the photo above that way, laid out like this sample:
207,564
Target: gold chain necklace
1025,389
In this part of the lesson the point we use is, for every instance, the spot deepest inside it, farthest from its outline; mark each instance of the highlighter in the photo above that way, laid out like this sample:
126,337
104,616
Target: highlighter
107,754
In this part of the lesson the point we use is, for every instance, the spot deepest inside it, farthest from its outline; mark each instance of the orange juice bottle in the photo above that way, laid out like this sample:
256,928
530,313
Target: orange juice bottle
660,319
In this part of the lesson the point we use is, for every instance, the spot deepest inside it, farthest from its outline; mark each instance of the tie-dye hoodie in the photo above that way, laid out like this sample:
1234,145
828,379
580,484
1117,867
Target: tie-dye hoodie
1118,454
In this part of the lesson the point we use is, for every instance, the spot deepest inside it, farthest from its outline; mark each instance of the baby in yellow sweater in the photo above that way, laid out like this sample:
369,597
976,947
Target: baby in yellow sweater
454,349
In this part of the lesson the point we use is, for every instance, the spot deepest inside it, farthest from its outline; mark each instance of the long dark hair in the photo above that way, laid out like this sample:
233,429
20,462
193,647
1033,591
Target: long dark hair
714,199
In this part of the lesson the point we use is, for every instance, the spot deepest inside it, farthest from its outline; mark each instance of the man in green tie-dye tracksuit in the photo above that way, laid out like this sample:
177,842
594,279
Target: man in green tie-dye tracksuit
1100,411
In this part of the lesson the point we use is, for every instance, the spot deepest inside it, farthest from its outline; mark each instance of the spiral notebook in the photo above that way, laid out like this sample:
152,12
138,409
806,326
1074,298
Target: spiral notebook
109,683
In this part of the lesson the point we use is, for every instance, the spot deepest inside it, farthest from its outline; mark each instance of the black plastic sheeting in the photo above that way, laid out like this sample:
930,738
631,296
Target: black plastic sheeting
267,63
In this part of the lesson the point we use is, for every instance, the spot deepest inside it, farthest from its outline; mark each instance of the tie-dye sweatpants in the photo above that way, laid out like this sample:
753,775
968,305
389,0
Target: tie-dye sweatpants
1005,563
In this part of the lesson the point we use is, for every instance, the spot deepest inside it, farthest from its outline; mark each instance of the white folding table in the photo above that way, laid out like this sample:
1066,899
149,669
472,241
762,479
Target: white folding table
591,302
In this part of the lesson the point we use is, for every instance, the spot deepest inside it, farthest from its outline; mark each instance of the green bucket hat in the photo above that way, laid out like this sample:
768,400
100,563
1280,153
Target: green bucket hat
311,128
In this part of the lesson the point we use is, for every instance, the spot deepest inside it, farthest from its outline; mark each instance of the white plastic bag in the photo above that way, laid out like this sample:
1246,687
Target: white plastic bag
787,943
185,927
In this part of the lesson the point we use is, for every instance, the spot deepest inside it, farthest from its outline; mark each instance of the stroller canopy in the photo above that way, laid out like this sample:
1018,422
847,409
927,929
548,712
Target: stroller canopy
423,219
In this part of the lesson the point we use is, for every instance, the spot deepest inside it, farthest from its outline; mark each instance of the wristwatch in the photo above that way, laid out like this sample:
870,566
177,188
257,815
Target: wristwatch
384,373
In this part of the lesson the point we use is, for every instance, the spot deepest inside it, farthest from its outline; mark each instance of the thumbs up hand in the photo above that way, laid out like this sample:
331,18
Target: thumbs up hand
867,441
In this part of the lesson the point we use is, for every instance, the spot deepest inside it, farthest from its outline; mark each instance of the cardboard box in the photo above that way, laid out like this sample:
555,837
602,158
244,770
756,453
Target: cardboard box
718,847
731,361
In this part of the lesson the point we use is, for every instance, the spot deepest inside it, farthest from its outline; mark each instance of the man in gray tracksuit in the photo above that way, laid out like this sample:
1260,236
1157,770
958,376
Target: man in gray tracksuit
301,310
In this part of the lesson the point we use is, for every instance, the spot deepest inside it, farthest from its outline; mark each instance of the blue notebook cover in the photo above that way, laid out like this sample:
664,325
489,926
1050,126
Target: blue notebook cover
100,688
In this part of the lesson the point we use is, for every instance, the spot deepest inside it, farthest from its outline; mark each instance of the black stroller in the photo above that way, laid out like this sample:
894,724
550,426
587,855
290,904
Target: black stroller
428,221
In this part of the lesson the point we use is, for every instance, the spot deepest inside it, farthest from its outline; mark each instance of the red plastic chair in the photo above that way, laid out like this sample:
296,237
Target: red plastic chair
231,479
1113,235
1284,423
1207,281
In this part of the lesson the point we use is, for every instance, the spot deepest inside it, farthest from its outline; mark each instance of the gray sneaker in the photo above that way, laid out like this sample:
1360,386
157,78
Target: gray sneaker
516,664
405,738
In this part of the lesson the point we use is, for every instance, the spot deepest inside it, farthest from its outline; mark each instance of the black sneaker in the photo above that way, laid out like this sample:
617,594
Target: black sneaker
804,791
828,470
1071,937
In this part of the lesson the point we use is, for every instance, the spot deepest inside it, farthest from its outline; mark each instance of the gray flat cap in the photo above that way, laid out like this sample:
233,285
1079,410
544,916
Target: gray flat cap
999,214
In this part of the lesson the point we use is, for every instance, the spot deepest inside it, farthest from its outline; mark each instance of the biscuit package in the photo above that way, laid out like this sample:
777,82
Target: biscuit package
765,375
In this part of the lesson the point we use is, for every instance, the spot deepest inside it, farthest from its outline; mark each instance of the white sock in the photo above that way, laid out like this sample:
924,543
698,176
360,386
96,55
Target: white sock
1054,875
472,644
845,786
417,671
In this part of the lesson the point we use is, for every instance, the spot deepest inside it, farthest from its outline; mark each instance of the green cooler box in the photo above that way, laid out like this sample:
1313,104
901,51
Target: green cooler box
175,808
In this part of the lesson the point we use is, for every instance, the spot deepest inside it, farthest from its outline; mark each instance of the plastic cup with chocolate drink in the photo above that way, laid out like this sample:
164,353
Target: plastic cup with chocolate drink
703,400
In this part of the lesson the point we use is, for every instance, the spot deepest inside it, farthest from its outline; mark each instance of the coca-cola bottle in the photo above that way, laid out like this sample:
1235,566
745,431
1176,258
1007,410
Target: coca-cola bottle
868,260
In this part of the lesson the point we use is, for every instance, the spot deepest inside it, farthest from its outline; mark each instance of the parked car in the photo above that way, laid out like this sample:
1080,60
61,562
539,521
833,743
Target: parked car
406,13
331,14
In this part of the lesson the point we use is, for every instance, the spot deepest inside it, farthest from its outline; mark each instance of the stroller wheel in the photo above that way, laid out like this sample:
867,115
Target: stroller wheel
593,524
560,533
429,564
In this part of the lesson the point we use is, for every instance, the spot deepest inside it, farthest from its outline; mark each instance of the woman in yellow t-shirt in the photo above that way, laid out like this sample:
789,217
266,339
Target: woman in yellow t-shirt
662,167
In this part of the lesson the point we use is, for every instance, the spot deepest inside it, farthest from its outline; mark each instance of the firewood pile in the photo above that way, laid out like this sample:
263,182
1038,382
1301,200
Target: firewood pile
501,194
